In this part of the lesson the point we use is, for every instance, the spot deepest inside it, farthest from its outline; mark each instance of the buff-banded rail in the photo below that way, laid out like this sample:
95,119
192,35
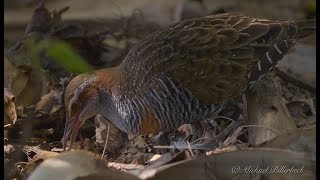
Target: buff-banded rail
182,73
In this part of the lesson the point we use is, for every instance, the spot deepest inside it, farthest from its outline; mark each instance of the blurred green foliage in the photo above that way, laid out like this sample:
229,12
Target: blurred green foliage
310,9
60,52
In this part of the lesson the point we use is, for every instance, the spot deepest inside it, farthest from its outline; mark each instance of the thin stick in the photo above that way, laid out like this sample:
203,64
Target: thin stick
222,117
214,143
190,149
125,166
164,147
105,144
7,125
253,125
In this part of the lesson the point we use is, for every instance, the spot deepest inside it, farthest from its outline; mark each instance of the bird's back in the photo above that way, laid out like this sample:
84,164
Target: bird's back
214,57
186,71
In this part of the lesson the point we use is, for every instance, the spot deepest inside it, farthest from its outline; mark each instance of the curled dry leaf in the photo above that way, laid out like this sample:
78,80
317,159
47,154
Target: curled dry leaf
29,85
10,115
268,115
302,140
40,155
50,102
46,103
239,164
112,175
14,78
75,165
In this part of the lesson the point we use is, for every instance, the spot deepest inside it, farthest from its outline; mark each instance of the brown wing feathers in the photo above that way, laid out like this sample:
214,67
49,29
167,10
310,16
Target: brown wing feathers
214,57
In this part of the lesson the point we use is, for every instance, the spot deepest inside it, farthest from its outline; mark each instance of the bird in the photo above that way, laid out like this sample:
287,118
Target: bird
182,73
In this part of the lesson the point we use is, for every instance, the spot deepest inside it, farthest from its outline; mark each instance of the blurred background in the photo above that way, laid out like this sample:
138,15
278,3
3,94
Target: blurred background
17,13
148,16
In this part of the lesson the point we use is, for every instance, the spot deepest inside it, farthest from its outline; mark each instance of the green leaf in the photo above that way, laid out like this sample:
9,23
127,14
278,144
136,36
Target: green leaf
62,53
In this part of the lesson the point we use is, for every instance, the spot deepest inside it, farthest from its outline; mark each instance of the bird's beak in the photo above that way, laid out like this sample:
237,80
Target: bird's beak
70,131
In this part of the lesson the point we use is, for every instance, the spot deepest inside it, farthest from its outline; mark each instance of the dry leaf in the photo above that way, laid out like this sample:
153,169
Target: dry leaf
38,158
302,139
73,165
10,71
46,103
237,164
29,86
19,82
268,115
110,175
10,115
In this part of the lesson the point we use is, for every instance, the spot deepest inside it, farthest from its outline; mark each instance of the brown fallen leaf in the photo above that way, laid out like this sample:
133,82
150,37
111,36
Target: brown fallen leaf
29,86
76,165
268,115
40,156
18,82
10,115
112,175
46,103
239,163
302,139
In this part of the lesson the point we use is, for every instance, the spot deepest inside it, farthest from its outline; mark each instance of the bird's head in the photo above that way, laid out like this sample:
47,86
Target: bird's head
82,101
79,100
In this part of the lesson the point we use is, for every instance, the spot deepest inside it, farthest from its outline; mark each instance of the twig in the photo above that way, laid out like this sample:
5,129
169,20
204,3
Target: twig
7,125
105,144
233,137
190,149
263,127
125,166
223,117
199,139
214,143
63,10
164,147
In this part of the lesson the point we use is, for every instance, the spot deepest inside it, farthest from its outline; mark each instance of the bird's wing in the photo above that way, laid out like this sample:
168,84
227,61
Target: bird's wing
210,56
